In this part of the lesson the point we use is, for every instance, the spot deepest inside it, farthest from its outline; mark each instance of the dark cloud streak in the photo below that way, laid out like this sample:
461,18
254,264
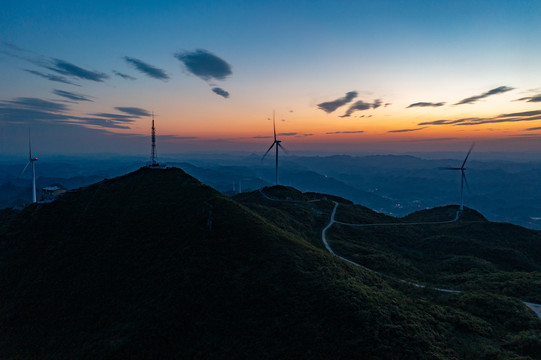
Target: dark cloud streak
407,130
502,118
147,69
71,95
426,104
331,106
535,98
345,132
51,77
361,106
221,92
35,104
38,111
135,111
68,69
124,76
496,91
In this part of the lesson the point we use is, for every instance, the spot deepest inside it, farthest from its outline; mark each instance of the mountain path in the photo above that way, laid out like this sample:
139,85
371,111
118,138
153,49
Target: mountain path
536,308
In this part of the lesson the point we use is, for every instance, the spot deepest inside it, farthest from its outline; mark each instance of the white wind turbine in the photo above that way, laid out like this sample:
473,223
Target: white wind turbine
31,161
463,176
278,145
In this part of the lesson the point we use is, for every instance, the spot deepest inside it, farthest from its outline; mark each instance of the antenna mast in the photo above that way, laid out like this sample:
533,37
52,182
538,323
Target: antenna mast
153,153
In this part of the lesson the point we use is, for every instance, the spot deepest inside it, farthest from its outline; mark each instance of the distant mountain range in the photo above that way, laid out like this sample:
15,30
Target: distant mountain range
154,264
396,185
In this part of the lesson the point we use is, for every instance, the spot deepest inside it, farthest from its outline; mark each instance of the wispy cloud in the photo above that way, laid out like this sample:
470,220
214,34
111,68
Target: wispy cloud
147,69
535,98
124,76
376,104
51,77
345,132
71,95
279,134
12,46
533,129
17,52
118,117
57,65
68,69
204,64
407,130
474,99
103,122
426,140
221,92
330,106
135,111
426,104
503,118
38,111
173,138
360,106
35,104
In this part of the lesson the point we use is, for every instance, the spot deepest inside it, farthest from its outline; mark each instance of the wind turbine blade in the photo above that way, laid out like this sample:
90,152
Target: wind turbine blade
468,155
449,168
28,163
274,125
268,150
283,148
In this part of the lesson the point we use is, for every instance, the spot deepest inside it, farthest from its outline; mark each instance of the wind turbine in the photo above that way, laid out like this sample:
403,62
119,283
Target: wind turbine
462,177
278,145
31,160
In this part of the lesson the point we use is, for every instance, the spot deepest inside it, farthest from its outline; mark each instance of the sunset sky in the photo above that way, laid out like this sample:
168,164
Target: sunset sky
342,76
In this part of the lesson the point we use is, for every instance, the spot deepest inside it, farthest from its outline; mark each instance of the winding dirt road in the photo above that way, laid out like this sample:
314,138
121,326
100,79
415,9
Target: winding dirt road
536,308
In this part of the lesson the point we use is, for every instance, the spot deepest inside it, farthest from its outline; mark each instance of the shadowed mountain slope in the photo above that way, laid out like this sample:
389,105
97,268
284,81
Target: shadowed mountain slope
154,264
471,253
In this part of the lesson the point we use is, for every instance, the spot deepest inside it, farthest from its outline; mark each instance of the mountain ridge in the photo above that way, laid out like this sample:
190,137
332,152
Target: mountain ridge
156,264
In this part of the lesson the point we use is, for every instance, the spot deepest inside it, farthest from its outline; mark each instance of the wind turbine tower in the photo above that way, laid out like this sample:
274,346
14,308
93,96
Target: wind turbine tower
31,161
463,179
278,144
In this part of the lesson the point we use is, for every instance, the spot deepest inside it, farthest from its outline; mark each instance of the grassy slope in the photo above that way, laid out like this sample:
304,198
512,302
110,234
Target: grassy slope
418,253
128,268
470,254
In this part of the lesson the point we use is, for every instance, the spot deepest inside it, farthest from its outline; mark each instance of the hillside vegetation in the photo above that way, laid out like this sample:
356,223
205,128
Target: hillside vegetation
155,264
469,254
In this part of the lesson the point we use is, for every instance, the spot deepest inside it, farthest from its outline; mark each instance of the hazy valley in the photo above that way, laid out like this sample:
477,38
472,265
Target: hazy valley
392,184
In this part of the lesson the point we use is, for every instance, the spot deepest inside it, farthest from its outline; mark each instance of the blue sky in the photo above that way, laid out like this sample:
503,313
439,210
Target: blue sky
289,56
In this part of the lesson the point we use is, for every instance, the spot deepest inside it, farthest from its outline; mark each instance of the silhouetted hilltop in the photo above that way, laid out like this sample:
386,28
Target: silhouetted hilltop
155,264
442,213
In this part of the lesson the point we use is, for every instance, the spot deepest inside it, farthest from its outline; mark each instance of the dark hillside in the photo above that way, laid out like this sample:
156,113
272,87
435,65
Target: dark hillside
155,265
469,254
302,214
132,268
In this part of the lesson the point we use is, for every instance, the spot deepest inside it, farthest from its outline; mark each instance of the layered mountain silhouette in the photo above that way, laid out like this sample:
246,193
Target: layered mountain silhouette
156,265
